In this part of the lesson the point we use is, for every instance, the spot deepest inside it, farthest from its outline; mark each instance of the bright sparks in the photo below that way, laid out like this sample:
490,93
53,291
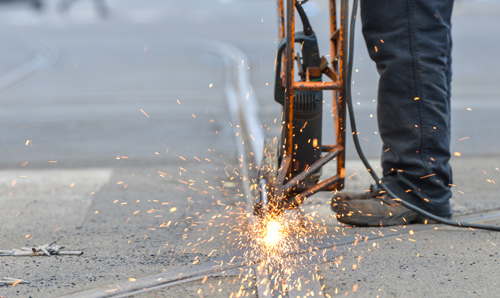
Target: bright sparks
145,114
274,238
273,234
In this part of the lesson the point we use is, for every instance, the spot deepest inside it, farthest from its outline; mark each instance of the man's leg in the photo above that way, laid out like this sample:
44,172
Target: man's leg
410,42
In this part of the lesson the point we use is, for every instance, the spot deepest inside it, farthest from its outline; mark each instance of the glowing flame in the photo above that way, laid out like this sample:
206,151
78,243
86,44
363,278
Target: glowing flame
273,233
273,237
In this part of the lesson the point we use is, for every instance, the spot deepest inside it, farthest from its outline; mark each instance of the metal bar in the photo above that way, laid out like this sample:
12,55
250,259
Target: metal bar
281,20
341,106
289,72
282,173
328,148
341,135
344,15
337,51
317,86
300,198
313,168
339,184
333,28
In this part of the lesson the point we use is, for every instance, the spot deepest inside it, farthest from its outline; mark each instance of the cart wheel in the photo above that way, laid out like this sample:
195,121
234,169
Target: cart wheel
267,176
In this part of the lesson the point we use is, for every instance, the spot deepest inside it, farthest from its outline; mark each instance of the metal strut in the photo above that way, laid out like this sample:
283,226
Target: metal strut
294,173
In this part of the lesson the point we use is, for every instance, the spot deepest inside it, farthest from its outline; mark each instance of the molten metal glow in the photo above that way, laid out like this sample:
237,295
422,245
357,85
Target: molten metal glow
274,238
273,233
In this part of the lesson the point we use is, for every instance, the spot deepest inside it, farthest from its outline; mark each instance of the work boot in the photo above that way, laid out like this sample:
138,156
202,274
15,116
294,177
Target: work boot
344,196
374,208
377,211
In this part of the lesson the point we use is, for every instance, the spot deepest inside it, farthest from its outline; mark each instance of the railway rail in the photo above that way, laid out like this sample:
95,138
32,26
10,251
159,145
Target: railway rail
270,279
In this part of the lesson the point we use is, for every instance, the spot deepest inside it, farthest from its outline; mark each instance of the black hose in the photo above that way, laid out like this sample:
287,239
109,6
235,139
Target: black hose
308,31
378,181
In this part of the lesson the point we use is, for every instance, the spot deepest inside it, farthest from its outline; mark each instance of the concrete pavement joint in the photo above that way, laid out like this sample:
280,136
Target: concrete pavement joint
237,265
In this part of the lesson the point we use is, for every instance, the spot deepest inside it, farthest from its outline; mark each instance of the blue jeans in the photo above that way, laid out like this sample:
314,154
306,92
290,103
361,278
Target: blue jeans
410,42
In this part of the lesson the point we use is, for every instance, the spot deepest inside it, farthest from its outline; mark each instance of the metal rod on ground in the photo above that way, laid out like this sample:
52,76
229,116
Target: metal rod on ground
43,250
12,281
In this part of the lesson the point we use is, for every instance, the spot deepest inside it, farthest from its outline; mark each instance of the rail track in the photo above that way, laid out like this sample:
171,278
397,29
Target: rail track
270,279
